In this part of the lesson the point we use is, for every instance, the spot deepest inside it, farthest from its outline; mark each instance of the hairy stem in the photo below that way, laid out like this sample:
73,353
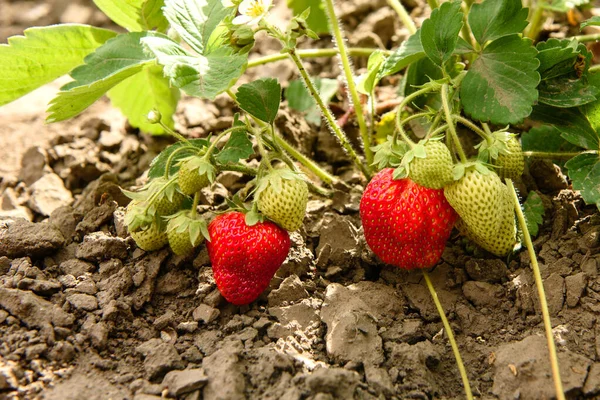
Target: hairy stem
433,4
450,121
349,74
403,14
588,38
541,293
213,145
448,328
466,28
404,103
314,53
194,210
326,112
469,124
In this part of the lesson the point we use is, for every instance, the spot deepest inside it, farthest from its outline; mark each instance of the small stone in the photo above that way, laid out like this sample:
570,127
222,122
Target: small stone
592,383
49,193
66,219
39,286
575,287
492,271
380,380
23,238
96,218
99,335
181,382
83,301
289,291
339,240
8,380
302,313
33,165
225,373
101,246
188,326
205,313
119,221
62,352
76,267
555,293
482,294
164,320
160,358
590,267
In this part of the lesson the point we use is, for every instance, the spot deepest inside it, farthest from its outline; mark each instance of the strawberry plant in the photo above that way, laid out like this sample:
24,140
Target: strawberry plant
472,75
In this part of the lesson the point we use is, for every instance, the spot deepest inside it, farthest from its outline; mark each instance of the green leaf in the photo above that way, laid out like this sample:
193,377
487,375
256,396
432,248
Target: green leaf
116,60
533,208
592,110
500,86
159,163
135,15
195,20
559,57
152,91
567,92
369,80
594,21
494,19
546,138
439,33
409,51
584,171
44,54
317,19
260,98
418,74
300,100
563,5
571,122
237,147
203,76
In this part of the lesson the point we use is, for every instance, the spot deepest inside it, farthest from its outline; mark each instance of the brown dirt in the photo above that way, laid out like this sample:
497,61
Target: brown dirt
84,314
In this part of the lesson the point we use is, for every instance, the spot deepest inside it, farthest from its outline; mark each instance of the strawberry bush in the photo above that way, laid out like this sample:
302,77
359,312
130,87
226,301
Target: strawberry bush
485,93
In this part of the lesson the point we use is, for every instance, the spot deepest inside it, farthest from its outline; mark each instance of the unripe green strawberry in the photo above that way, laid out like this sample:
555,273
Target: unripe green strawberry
434,171
282,197
512,164
484,205
194,174
186,232
150,239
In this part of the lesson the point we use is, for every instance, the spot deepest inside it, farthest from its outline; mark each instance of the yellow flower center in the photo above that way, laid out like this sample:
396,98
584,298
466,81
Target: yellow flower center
256,9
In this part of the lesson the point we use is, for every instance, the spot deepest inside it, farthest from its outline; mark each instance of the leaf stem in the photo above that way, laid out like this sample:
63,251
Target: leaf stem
404,103
448,328
171,132
466,28
301,158
403,14
326,112
536,22
433,4
556,156
213,145
261,149
469,124
541,294
314,53
588,38
153,198
450,121
340,41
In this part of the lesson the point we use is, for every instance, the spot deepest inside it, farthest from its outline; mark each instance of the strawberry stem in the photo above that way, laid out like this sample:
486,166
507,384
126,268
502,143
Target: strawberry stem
448,328
399,122
326,112
450,121
194,209
213,145
433,4
314,53
469,124
557,155
261,149
350,81
541,293
172,157
153,198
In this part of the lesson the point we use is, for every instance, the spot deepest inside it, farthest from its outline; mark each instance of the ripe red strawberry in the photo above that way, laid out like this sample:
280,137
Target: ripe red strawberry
405,224
245,258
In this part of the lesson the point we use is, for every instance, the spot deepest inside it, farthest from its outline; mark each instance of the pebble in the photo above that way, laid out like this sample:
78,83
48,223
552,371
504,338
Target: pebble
159,358
179,383
289,291
49,193
23,238
101,246
492,271
205,313
575,285
82,301
482,294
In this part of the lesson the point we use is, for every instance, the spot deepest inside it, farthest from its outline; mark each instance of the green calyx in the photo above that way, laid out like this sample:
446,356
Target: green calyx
428,163
186,232
195,173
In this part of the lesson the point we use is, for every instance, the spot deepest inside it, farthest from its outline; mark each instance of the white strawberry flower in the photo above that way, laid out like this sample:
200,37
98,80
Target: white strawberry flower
252,11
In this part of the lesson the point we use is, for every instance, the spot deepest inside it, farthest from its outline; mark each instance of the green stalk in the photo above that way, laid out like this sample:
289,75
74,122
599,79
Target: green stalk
433,4
448,328
466,28
403,14
451,127
469,124
326,112
349,74
153,198
588,38
556,156
261,149
172,157
194,209
404,103
535,25
313,53
213,145
560,394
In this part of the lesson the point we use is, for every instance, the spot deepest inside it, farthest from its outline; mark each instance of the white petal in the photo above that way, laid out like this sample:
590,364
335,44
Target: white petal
245,6
241,20
227,3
